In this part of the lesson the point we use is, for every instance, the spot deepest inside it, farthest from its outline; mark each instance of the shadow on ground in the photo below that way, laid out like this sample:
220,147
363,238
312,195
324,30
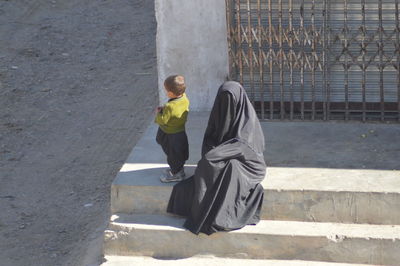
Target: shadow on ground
149,174
338,145
332,145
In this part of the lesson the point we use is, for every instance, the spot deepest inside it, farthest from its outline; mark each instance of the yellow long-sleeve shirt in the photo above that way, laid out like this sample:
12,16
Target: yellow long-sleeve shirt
173,116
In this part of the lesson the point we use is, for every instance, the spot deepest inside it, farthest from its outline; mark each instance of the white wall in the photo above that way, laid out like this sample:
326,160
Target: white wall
192,41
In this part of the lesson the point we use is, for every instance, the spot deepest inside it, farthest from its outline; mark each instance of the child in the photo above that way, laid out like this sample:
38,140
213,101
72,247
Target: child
171,134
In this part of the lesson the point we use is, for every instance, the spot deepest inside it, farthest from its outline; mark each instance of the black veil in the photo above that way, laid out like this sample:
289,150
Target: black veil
233,116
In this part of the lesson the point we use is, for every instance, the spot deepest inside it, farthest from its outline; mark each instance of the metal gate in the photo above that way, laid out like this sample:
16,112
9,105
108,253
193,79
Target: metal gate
317,60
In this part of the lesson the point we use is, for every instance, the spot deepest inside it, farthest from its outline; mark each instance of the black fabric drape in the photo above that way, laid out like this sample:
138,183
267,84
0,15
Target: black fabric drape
225,192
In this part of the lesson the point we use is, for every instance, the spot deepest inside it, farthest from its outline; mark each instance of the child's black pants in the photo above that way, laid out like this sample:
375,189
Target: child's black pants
176,147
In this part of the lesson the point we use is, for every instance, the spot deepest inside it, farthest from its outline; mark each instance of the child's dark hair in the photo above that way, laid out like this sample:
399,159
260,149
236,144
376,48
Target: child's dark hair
175,84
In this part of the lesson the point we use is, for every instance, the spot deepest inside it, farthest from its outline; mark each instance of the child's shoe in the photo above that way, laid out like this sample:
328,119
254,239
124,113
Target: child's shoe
167,176
166,171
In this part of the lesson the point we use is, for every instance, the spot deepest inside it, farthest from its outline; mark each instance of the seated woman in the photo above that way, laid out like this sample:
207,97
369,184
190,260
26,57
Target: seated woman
225,192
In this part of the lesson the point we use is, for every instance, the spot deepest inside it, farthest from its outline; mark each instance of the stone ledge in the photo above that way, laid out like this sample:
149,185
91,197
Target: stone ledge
212,261
320,195
281,178
163,237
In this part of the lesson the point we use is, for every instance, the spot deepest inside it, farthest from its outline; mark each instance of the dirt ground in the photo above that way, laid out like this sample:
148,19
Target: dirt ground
78,84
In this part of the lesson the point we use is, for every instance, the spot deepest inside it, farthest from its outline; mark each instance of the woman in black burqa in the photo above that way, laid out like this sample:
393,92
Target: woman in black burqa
225,192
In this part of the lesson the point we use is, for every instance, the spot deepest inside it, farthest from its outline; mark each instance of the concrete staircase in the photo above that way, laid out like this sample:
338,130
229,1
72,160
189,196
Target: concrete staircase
311,216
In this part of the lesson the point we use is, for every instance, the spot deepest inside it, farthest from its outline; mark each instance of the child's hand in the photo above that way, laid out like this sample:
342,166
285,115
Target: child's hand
159,109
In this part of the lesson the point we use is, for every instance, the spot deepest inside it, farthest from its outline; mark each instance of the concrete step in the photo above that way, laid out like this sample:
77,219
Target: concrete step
294,194
211,261
162,236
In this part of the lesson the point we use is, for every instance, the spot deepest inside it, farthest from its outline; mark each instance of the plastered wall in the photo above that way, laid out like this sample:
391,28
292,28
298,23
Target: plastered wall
192,41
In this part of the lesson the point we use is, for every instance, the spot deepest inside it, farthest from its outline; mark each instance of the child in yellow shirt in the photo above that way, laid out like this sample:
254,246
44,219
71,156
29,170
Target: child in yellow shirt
171,134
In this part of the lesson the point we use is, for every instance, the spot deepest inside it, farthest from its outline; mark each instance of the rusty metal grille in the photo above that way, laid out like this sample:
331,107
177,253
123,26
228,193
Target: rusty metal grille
317,60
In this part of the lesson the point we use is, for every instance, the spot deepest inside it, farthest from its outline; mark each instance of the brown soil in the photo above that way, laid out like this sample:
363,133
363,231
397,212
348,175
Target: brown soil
77,88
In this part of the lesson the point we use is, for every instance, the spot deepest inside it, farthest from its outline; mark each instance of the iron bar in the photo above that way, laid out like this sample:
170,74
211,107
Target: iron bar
271,85
324,57
328,67
282,92
381,61
250,51
291,58
346,68
314,54
398,57
228,26
260,57
302,55
239,38
364,66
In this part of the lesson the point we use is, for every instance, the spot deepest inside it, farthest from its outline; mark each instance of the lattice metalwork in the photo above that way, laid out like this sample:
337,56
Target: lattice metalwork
317,59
